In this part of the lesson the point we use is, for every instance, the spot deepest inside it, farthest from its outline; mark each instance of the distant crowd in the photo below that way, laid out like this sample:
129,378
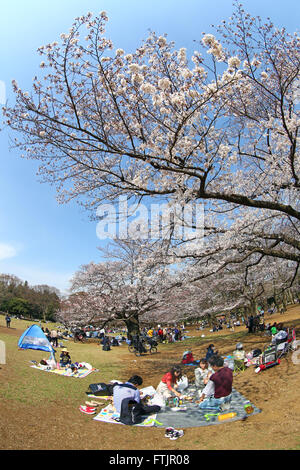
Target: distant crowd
117,336
165,334
254,323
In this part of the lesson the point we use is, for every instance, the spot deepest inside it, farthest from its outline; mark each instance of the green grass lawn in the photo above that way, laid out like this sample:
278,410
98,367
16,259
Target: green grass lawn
30,386
43,404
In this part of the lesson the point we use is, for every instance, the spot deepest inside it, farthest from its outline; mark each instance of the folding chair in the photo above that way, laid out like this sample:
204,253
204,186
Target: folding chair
270,355
282,349
239,366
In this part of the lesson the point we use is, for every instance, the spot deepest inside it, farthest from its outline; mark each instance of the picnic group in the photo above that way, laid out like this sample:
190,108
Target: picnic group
212,386
211,389
132,405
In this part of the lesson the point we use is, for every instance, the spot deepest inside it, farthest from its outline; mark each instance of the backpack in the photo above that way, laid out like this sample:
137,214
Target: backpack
101,389
187,357
133,412
256,352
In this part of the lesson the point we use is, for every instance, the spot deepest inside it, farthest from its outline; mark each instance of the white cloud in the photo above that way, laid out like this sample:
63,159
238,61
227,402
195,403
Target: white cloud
7,251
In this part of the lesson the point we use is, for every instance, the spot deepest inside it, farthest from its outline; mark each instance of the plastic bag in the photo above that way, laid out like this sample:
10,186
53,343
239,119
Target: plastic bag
182,384
86,365
159,400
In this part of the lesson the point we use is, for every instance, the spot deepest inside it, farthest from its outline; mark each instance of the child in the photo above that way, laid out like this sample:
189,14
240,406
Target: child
65,359
202,373
210,352
48,363
239,353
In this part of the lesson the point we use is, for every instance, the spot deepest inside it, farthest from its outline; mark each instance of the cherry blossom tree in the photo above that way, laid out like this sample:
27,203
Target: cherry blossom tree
218,127
237,288
125,289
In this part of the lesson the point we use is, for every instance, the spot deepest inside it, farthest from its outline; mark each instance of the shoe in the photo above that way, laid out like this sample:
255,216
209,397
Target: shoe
91,404
169,432
176,434
87,410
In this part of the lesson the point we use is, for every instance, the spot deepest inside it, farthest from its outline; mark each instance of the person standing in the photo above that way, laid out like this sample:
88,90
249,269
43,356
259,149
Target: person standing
176,333
150,332
250,324
160,334
8,320
53,336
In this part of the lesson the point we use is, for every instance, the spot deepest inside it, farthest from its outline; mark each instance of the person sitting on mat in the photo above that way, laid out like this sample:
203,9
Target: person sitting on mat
239,354
49,363
127,390
64,358
202,373
168,384
210,352
217,393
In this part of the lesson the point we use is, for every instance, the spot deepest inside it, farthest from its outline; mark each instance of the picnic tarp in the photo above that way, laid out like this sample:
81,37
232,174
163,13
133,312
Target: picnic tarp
191,417
195,417
80,374
108,415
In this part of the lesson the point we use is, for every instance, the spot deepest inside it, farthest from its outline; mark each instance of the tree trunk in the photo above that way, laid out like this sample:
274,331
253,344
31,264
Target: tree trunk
133,326
253,307
291,295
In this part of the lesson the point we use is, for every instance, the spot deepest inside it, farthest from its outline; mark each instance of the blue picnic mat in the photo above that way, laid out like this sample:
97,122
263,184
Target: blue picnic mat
194,417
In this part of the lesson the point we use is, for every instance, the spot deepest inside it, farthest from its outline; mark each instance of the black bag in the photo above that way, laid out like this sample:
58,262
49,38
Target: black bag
130,412
101,389
257,352
133,412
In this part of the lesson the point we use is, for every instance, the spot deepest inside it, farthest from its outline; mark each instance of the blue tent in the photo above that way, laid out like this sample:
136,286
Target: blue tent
35,338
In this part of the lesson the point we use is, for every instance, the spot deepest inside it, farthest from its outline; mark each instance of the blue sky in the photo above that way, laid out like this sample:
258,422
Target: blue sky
41,241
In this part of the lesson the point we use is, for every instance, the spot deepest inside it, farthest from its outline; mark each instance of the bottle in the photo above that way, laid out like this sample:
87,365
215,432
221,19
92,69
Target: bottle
249,409
226,416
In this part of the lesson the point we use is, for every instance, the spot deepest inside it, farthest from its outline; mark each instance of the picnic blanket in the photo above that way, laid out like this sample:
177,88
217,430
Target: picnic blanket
80,374
194,364
109,415
187,417
195,417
